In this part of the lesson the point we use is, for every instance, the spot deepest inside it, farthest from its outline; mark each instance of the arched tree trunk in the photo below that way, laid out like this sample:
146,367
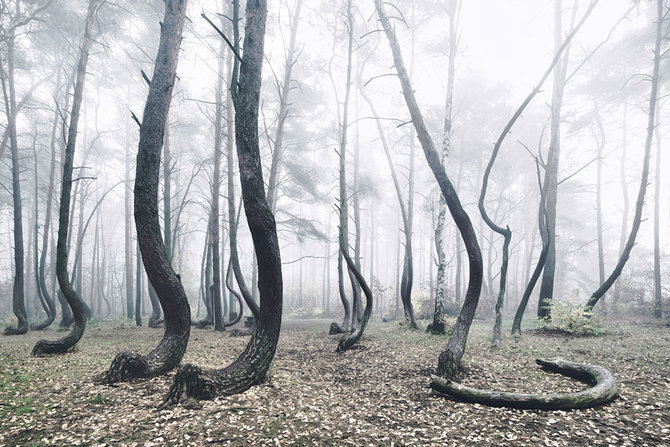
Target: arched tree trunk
74,301
450,358
603,389
348,340
251,366
169,289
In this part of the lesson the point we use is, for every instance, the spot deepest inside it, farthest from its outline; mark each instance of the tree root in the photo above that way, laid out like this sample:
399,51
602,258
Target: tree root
9,330
125,367
437,328
603,389
336,329
193,382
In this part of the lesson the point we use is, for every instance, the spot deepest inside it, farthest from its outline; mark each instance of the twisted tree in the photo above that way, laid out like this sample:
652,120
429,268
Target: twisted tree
251,366
78,307
450,359
168,287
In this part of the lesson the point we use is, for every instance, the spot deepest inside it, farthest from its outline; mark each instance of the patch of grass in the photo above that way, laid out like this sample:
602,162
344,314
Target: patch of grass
99,399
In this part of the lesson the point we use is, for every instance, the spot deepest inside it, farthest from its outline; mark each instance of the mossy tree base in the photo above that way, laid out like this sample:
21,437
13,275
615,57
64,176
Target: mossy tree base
436,328
603,389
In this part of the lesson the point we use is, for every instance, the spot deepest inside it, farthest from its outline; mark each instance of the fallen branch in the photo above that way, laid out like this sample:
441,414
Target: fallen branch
603,389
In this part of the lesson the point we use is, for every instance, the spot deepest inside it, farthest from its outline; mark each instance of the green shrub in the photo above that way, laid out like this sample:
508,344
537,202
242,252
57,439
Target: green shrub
572,319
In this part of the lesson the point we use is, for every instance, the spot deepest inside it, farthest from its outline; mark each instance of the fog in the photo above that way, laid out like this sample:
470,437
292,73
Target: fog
503,49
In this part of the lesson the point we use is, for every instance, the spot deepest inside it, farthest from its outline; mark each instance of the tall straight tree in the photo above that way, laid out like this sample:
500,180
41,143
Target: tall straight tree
74,301
551,172
252,365
437,326
450,359
162,276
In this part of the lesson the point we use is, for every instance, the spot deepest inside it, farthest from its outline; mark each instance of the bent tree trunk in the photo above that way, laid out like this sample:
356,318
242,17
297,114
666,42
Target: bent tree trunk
603,389
639,205
251,366
506,233
450,359
78,307
348,341
165,281
51,315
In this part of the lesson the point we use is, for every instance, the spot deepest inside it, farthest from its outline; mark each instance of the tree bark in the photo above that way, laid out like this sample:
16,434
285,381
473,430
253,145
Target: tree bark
450,358
252,365
165,281
78,307
603,389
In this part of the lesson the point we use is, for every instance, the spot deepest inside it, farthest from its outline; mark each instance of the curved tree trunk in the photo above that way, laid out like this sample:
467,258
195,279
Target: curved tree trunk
168,287
76,304
639,205
348,341
450,358
506,233
603,389
51,314
231,289
251,366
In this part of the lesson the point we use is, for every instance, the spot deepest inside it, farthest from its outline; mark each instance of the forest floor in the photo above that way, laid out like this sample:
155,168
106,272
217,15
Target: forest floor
374,395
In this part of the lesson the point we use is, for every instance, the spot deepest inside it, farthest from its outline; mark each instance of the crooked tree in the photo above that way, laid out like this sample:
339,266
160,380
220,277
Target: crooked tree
73,299
162,276
450,359
252,365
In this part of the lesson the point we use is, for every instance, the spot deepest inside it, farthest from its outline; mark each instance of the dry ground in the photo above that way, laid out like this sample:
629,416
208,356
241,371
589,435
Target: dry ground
375,395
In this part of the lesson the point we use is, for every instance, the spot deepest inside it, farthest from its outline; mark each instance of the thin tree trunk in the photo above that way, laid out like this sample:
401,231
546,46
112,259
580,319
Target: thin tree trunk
9,93
639,205
167,284
658,292
76,304
138,286
450,358
128,232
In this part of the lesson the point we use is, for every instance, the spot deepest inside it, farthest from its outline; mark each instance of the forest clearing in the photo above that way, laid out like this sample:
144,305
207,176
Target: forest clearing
376,394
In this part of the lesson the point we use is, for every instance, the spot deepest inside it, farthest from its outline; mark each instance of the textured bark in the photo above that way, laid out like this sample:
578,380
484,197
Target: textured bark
450,358
639,204
603,389
252,365
168,287
78,307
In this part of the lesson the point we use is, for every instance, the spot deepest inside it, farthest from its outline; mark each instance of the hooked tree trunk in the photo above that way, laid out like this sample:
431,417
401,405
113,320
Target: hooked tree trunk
74,301
167,284
252,365
450,359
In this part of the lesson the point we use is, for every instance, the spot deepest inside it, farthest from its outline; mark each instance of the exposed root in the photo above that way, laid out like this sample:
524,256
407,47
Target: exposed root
125,367
336,329
603,389
241,333
436,328
15,330
192,382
